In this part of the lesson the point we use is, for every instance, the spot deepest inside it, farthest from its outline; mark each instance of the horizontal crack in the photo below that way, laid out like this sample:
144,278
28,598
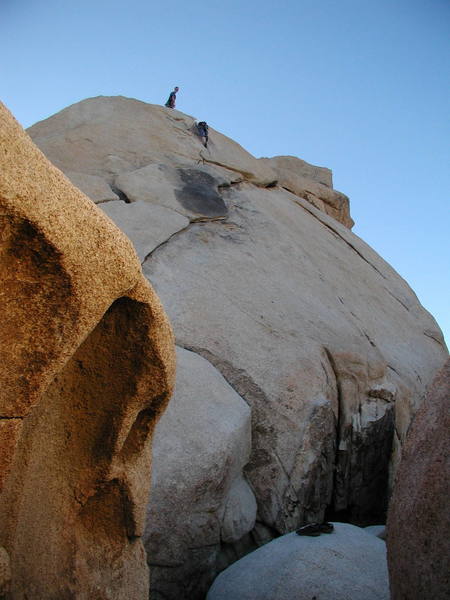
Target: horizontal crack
11,418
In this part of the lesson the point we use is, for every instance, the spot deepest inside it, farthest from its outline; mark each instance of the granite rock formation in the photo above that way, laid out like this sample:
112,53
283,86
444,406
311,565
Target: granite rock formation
200,499
347,564
263,279
419,521
86,368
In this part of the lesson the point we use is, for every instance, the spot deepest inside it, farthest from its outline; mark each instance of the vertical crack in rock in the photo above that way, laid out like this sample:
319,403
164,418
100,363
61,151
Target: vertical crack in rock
365,429
286,497
338,422
398,299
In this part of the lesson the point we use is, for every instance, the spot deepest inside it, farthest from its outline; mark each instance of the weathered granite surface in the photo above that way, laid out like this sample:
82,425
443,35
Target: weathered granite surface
86,368
419,520
322,339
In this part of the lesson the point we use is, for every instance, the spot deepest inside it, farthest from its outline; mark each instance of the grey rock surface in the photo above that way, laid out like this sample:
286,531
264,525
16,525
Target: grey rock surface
348,564
317,333
199,497
147,226
378,530
192,192
93,186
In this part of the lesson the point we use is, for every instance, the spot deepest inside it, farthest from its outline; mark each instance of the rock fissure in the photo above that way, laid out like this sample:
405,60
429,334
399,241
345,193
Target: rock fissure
162,244
328,226
434,338
338,420
398,299
120,193
235,377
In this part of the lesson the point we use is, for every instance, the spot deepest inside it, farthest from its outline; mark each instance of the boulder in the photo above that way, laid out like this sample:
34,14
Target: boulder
348,564
199,496
86,368
419,523
321,196
323,340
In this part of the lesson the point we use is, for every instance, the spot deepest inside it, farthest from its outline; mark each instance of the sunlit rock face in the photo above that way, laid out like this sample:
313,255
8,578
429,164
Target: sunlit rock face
262,278
86,367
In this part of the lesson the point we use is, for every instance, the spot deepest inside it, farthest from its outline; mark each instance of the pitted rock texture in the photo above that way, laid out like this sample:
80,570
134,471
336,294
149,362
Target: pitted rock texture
322,339
87,366
419,523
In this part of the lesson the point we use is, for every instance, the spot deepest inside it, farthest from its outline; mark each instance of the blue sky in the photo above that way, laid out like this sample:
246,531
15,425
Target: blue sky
359,86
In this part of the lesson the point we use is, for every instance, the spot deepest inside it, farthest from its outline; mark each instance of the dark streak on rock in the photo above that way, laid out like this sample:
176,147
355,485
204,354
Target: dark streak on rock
118,192
199,194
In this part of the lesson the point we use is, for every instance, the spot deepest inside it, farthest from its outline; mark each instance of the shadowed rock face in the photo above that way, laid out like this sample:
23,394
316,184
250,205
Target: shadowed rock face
418,529
262,278
86,368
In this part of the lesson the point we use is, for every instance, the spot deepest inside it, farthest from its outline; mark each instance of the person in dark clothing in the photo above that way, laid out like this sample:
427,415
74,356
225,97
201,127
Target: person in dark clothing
172,98
202,128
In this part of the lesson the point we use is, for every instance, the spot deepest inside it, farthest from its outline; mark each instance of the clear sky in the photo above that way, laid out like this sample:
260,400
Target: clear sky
359,86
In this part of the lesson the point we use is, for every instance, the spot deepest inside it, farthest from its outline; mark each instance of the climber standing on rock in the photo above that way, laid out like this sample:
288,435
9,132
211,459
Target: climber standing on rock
202,128
172,98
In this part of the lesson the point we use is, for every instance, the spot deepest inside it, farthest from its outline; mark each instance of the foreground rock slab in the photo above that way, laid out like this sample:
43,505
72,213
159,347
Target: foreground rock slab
419,519
348,564
86,368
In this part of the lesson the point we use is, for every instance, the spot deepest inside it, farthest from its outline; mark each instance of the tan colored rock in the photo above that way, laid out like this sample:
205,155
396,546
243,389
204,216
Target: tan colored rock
107,136
86,368
307,184
418,522
300,167
324,341
139,148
